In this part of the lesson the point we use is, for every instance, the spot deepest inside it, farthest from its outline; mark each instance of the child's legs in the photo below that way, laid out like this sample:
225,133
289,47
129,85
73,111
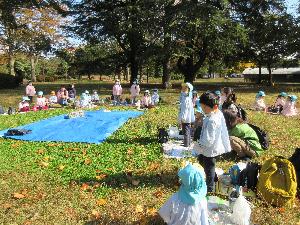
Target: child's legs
209,164
186,129
241,147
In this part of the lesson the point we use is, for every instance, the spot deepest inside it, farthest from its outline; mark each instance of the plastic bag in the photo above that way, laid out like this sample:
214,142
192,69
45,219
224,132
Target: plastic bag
173,132
241,211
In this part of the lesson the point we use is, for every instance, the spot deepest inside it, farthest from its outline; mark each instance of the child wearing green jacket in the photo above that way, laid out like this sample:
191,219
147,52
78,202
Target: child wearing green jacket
243,139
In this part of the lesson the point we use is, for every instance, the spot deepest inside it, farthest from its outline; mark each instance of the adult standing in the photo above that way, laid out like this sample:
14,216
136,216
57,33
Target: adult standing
30,91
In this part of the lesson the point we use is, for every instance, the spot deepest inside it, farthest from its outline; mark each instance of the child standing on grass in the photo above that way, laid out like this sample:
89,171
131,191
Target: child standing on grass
117,92
186,113
134,91
30,91
188,206
214,138
289,109
259,104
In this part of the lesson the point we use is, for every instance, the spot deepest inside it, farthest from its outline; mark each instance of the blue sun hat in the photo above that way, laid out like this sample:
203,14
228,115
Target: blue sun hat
86,92
40,93
260,94
218,93
25,98
293,98
83,96
283,94
191,88
193,187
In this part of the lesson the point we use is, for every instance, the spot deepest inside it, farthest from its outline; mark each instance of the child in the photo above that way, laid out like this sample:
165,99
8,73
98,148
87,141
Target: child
198,121
72,92
259,104
195,97
155,97
289,109
186,113
214,138
225,92
146,100
41,102
243,139
30,91
62,96
24,104
117,92
84,101
189,204
52,98
95,97
134,92
88,96
279,103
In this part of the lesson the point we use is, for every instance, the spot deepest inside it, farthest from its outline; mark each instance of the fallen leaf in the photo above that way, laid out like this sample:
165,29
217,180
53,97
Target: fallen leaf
46,158
84,187
135,182
101,202
6,206
281,210
83,152
18,195
151,211
139,209
87,161
153,166
40,151
61,167
101,176
98,171
96,214
44,164
158,194
130,151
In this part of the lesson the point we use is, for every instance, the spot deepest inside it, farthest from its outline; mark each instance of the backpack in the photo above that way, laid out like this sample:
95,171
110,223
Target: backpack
295,160
249,176
235,171
263,136
277,182
162,136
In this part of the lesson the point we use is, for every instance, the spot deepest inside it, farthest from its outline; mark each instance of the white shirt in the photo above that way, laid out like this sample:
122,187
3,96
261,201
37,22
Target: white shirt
175,212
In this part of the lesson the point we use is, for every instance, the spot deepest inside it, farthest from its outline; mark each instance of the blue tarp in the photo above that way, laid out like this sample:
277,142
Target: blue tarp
94,127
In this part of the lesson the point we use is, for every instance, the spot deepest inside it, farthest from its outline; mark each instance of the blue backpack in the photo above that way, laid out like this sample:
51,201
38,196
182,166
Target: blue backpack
235,172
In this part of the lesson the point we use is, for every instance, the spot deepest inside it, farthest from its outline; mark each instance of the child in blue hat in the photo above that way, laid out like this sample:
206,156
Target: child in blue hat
279,103
289,109
188,206
259,104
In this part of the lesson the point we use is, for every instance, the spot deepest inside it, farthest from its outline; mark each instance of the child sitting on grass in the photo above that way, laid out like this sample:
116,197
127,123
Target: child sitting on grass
259,104
41,102
189,204
279,103
289,109
243,139
225,92
24,104
146,100
155,97
186,113
95,97
214,138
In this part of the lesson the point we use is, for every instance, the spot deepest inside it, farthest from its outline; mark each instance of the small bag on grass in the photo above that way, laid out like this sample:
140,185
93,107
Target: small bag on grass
162,136
277,182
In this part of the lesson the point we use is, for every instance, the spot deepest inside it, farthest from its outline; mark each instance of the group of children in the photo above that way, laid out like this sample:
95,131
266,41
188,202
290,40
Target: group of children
223,127
147,101
63,97
285,104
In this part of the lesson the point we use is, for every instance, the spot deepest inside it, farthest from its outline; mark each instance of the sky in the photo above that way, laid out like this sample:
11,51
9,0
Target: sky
292,5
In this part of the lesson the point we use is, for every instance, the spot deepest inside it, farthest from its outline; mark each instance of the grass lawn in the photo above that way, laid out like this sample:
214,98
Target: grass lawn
125,179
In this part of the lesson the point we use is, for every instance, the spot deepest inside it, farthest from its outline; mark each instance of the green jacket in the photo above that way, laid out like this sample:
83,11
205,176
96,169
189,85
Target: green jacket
246,133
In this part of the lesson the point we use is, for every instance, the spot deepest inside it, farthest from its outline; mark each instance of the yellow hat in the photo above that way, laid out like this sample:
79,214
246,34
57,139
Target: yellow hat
52,92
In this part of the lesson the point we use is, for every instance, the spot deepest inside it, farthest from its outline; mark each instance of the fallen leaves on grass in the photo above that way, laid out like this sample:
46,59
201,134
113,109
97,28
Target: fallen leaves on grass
101,176
101,202
85,187
158,194
61,167
18,195
40,151
6,206
87,161
44,164
139,208
95,214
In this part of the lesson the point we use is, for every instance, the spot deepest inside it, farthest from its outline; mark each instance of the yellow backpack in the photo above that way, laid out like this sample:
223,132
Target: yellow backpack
277,182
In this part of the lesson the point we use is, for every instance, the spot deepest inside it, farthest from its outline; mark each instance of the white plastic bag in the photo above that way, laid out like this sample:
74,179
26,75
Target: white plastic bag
173,132
241,211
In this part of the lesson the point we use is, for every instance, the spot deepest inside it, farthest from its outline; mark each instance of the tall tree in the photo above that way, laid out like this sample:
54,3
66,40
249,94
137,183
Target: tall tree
125,21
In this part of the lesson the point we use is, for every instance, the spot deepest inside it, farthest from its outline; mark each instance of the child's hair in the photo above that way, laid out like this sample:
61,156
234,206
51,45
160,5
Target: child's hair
209,99
231,118
227,90
231,99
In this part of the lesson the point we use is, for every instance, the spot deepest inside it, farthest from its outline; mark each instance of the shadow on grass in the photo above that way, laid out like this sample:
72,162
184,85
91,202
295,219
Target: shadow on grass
146,220
140,140
129,180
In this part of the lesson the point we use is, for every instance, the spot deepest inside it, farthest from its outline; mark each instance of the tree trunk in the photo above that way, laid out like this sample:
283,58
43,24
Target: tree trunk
156,69
259,75
147,73
166,73
33,65
12,64
270,76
